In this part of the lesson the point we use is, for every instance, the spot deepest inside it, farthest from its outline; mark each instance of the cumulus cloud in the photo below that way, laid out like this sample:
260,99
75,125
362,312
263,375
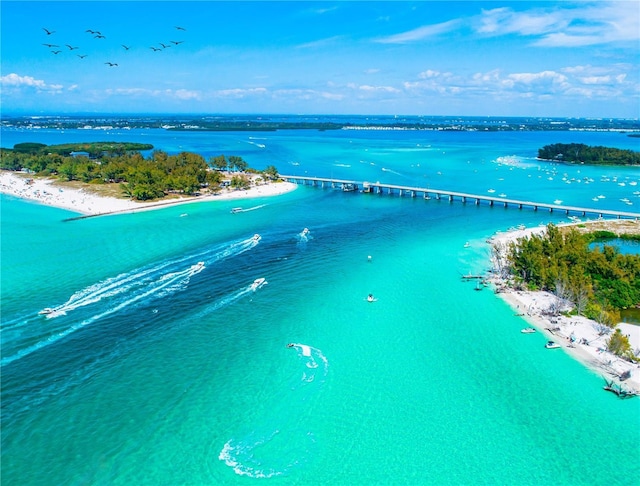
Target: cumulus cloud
14,80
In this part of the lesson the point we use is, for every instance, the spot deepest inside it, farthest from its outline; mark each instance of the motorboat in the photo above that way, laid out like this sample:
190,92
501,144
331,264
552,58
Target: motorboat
370,298
551,345
236,210
257,237
197,266
467,245
45,311
305,232
528,330
257,283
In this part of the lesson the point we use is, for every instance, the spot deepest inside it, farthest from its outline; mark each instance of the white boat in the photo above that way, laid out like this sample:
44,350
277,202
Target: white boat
305,232
467,245
528,330
257,237
236,210
45,311
370,298
257,283
197,266
551,345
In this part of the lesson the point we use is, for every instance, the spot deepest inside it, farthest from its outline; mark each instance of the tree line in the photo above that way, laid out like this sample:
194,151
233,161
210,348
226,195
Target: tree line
139,177
578,153
596,282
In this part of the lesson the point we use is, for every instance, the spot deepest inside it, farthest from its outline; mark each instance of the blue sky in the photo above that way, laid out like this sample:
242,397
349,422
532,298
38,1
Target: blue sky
513,58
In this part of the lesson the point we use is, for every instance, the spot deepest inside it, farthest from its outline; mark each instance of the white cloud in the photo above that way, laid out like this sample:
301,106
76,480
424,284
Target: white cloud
572,26
420,33
14,80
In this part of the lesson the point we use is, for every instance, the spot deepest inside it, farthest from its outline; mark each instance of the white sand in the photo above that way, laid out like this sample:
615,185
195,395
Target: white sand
46,192
578,336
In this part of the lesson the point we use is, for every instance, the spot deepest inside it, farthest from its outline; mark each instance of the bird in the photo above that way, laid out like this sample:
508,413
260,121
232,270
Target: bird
92,31
71,48
81,56
50,45
99,36
155,48
111,64
176,42
163,45
180,28
49,32
56,52
126,48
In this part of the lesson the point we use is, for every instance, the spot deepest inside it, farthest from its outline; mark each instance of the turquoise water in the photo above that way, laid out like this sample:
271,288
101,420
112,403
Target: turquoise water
158,372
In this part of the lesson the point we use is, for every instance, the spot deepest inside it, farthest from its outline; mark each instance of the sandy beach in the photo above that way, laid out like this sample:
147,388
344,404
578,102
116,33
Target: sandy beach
47,191
578,336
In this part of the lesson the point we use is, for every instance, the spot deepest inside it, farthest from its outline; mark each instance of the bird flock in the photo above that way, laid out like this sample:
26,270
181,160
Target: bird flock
96,34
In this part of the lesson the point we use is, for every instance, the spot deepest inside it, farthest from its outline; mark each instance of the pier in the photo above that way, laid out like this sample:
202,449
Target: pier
451,196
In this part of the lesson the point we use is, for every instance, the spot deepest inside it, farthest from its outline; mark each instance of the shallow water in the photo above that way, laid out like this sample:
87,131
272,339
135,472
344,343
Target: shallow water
158,372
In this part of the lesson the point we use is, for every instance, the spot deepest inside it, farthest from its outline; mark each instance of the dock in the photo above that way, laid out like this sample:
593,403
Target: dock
451,196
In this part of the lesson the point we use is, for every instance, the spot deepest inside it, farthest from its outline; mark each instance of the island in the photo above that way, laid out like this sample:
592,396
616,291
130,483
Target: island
578,153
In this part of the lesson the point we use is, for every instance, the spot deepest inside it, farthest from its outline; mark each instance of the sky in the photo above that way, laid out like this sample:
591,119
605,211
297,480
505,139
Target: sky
469,58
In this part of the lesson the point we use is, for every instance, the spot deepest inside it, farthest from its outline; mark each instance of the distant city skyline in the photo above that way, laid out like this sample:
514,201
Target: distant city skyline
470,58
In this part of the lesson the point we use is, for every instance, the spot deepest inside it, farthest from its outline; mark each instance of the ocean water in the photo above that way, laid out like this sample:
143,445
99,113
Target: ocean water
156,370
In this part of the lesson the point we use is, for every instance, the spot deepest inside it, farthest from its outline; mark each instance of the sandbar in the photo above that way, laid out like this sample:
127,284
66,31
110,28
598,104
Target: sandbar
47,191
578,336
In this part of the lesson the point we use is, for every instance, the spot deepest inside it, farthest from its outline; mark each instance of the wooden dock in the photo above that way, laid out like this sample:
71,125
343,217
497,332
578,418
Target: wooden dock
451,196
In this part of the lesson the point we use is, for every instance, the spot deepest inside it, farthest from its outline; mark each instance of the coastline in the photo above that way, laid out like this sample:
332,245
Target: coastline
48,192
578,336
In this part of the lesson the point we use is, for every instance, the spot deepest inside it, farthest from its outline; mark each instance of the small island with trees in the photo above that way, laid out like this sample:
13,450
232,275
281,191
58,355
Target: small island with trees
578,153
141,178
595,282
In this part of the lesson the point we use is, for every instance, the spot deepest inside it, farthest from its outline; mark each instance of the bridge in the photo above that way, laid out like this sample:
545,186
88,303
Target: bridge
427,193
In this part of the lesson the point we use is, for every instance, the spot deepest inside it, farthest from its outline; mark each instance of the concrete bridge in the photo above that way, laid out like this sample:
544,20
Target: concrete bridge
426,193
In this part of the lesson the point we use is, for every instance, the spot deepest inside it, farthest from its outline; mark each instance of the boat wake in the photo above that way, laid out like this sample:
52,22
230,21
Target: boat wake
272,451
115,294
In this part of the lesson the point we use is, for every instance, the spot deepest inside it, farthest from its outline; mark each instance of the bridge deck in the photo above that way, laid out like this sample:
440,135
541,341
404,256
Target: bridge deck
463,196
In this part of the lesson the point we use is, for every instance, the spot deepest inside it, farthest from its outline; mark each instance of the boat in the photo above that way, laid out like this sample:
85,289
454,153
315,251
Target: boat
197,266
467,245
257,283
257,237
236,210
528,330
551,345
305,232
370,298
45,311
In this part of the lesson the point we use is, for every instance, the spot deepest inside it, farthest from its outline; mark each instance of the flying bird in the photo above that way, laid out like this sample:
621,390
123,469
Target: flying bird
81,56
126,48
50,45
71,48
49,32
163,45
180,28
56,52
99,36
176,42
111,64
155,48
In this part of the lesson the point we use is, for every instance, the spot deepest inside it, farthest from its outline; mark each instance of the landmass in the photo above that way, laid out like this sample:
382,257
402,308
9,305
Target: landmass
86,199
302,122
584,339
579,153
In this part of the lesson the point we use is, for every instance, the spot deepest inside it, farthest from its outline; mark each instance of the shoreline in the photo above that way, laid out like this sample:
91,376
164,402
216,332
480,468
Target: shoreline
578,336
88,204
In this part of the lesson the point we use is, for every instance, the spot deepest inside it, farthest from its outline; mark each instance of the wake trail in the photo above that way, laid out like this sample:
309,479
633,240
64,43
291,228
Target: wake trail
129,289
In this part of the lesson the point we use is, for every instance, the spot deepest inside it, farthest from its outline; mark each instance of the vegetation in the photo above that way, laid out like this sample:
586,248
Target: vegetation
94,149
597,282
579,153
138,177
